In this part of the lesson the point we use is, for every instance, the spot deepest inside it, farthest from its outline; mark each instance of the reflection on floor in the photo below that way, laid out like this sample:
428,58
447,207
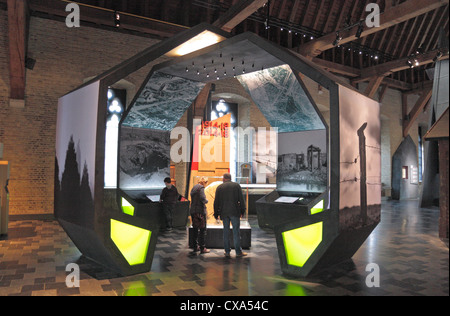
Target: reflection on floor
412,261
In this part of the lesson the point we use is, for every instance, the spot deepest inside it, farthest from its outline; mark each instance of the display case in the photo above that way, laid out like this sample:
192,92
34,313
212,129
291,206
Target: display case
210,192
334,158
214,237
145,204
279,207
256,192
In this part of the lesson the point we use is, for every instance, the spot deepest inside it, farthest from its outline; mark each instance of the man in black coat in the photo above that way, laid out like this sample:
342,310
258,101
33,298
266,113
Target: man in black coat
169,198
229,205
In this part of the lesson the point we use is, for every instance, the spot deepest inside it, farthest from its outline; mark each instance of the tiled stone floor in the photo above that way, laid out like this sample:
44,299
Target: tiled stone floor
412,261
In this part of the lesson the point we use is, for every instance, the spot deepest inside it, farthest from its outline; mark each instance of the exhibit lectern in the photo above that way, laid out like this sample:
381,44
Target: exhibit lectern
4,197
145,204
214,232
328,173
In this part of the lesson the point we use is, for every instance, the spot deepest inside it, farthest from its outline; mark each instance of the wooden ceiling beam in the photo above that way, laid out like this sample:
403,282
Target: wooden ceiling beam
294,11
395,15
105,17
305,9
382,93
436,29
409,119
373,86
340,19
405,28
417,88
238,13
351,72
408,37
317,15
328,20
397,84
426,35
17,38
336,68
390,67
292,16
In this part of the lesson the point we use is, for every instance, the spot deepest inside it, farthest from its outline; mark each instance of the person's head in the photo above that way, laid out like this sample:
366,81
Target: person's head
168,182
226,177
203,181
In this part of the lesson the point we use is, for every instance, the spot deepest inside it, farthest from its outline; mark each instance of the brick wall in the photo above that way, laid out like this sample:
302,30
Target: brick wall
64,59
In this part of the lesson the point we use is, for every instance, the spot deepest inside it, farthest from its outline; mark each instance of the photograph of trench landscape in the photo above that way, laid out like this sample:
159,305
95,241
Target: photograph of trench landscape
304,168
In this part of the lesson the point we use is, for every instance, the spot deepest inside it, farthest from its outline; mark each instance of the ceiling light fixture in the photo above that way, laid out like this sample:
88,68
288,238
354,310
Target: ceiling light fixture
438,56
116,19
202,40
267,22
419,50
338,39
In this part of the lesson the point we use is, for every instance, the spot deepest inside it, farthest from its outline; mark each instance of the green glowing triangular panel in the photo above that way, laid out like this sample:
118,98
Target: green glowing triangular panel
300,243
317,208
127,208
132,241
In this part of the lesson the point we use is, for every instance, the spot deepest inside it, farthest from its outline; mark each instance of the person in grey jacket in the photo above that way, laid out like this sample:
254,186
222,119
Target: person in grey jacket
198,215
229,205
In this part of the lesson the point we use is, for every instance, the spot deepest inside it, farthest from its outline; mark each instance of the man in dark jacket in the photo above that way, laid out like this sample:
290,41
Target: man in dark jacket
169,197
229,205
198,215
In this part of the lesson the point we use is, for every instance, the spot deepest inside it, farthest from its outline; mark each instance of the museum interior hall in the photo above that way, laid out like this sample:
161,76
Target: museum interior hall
330,117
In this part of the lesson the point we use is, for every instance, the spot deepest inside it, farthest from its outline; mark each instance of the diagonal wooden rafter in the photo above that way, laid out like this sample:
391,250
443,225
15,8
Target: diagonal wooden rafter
390,67
394,16
238,13
409,119
352,72
373,86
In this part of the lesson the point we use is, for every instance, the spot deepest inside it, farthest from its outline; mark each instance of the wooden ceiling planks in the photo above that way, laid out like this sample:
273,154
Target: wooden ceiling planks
318,16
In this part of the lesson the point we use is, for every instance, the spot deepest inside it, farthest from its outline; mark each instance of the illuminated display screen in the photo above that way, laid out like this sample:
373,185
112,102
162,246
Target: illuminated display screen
144,158
302,161
115,107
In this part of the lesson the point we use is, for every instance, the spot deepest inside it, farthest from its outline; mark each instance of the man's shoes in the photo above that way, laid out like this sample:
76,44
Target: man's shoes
242,254
227,255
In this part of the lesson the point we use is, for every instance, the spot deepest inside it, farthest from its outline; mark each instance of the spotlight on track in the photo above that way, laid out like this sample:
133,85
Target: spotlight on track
338,39
116,19
438,56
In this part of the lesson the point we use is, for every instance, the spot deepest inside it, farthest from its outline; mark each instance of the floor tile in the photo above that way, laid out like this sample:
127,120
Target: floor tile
412,261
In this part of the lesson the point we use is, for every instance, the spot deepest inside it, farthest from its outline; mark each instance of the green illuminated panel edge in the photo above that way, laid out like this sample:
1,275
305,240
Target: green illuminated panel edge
300,243
127,208
317,208
132,241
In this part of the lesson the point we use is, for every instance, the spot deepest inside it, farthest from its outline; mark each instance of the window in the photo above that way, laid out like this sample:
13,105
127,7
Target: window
405,172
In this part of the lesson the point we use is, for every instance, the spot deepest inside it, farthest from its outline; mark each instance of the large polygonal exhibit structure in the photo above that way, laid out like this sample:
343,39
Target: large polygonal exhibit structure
327,197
